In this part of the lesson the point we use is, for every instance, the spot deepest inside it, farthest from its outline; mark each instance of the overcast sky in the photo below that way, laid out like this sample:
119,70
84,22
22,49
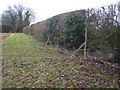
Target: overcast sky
47,8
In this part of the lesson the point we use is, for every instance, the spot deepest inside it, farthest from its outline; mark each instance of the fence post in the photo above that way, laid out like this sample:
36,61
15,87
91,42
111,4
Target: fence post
85,46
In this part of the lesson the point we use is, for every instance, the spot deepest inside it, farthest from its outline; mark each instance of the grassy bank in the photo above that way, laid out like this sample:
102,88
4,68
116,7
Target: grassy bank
27,63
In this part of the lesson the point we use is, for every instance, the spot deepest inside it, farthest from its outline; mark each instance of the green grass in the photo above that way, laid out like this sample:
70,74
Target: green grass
27,63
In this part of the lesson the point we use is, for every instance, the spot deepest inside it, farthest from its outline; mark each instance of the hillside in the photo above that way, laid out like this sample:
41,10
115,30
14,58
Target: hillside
27,63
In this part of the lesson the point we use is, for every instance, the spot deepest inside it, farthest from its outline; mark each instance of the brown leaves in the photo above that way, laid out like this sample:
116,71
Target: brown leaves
50,69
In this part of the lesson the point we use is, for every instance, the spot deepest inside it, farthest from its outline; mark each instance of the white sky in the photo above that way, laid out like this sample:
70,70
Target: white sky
47,8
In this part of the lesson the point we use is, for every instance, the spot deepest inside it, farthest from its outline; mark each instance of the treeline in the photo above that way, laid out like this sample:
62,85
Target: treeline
68,29
15,18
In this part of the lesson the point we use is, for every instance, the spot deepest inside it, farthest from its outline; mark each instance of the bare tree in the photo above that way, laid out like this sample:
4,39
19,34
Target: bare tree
17,17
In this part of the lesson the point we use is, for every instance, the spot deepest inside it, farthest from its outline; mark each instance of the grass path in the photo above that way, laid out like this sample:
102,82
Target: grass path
27,63
3,36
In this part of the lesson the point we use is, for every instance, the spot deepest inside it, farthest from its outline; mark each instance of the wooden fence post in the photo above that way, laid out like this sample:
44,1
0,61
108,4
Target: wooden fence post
85,46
